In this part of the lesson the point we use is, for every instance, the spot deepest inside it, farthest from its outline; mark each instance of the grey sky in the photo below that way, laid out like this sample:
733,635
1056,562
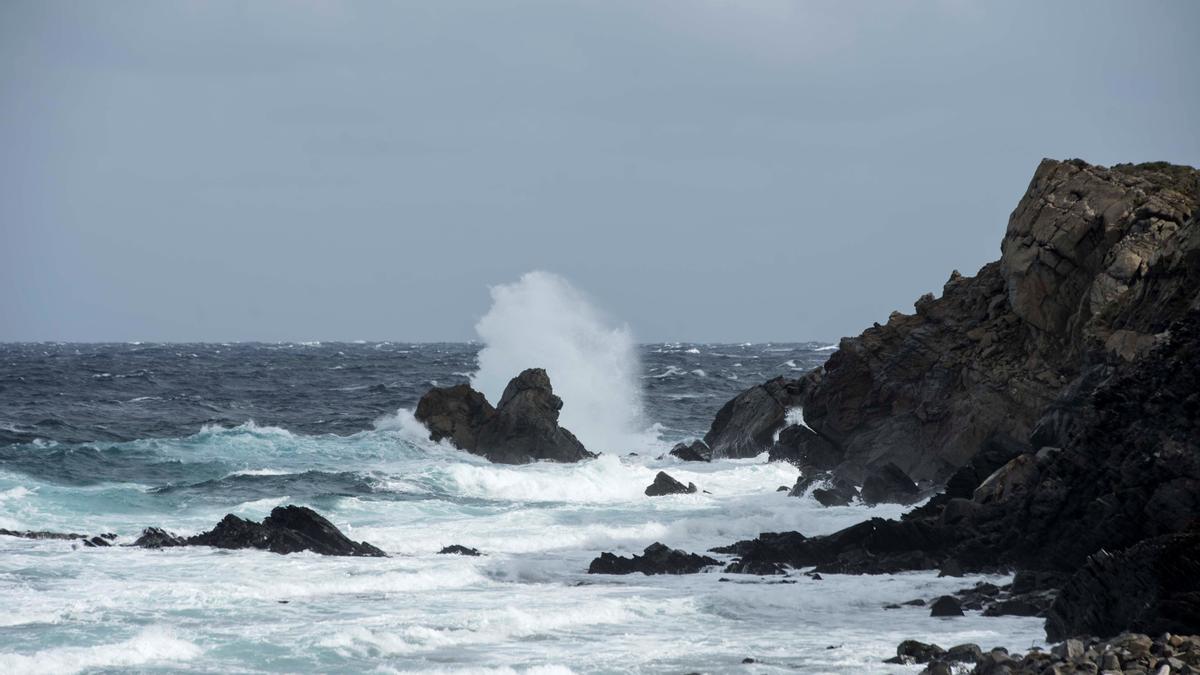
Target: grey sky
719,171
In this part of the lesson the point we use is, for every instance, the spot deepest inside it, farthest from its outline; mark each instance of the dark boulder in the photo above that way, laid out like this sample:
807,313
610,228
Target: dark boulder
889,484
289,529
912,651
666,485
835,492
1152,587
154,537
457,549
523,428
746,425
756,567
946,605
656,559
696,451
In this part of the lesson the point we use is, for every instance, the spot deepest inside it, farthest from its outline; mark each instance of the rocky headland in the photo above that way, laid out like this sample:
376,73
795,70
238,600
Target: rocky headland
1050,405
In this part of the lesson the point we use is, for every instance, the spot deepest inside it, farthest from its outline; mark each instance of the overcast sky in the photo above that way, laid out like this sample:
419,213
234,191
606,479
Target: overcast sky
707,171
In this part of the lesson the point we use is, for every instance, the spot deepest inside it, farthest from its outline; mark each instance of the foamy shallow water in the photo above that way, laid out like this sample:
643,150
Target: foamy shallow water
527,606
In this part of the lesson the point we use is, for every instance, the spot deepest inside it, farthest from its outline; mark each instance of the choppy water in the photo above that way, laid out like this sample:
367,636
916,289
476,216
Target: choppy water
113,438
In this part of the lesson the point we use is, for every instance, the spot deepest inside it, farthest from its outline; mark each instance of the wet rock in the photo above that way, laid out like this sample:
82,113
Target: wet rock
666,485
523,428
888,484
964,653
154,537
912,651
837,493
946,605
457,549
746,425
31,534
455,414
289,529
656,559
805,448
696,451
757,567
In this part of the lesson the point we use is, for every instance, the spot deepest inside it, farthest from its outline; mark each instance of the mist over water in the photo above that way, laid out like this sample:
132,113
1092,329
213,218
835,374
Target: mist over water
542,321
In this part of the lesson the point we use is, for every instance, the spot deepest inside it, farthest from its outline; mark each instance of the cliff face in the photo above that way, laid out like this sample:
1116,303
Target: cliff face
1095,264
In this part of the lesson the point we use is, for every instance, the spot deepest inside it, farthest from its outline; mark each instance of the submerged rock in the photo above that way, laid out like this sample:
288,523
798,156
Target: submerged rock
666,485
946,605
155,537
523,428
696,451
656,559
31,534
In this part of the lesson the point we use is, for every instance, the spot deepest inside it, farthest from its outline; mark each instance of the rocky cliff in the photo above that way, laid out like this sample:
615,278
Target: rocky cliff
1095,264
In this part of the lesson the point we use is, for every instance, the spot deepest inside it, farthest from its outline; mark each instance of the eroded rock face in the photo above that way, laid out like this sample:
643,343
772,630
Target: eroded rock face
522,429
289,529
696,451
746,425
1095,264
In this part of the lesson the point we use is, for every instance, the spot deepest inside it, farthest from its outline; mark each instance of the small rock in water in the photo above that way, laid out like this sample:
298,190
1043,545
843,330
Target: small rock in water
666,485
947,605
656,559
696,451
456,549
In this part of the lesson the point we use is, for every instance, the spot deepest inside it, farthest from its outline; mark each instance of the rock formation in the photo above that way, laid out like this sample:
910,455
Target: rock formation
656,559
664,484
289,529
523,428
1094,266
746,425
696,451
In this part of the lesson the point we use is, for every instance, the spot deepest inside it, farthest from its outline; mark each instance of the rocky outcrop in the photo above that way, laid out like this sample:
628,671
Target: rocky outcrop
87,539
1152,587
696,451
523,427
458,549
664,484
1095,264
656,559
805,448
888,483
289,529
746,425
1127,653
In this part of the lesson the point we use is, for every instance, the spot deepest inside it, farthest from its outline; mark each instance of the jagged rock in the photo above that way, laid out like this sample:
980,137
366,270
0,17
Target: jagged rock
805,448
457,549
154,537
889,483
912,651
289,529
1151,587
946,605
665,485
1095,262
656,559
757,567
835,492
523,428
746,425
696,451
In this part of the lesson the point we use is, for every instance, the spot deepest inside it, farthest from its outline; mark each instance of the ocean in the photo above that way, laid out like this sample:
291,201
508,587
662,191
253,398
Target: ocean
117,437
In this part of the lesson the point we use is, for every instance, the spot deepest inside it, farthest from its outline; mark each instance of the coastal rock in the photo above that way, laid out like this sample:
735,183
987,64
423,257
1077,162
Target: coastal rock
946,605
1095,264
289,529
805,448
888,484
154,537
1151,587
696,451
458,549
666,485
746,425
656,559
31,534
523,428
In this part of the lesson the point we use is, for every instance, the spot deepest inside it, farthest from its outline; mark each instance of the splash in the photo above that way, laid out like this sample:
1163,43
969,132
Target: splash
543,321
